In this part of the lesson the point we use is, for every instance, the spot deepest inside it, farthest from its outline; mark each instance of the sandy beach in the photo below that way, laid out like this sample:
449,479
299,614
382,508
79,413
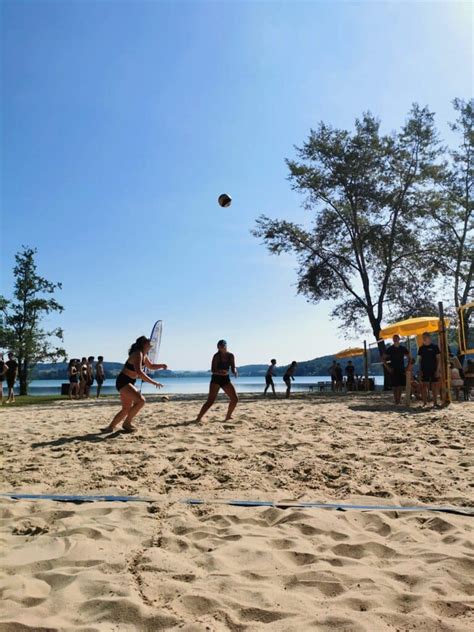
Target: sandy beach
170,566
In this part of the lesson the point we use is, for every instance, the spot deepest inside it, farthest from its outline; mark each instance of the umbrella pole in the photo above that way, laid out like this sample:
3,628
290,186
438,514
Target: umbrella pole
443,345
408,375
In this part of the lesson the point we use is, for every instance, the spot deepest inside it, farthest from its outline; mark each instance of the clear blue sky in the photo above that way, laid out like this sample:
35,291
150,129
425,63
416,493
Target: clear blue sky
123,121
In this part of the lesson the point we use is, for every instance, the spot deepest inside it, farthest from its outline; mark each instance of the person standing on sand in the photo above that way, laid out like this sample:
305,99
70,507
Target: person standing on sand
11,375
350,370
90,375
3,371
289,376
99,374
73,379
338,377
222,362
269,377
133,369
83,377
394,362
430,369
468,380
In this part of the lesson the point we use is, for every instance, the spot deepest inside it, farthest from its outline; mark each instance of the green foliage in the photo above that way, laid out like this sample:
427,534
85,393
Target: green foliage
365,192
453,214
21,329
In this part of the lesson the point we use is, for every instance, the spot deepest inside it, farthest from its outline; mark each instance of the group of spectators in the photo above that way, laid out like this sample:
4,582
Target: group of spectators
337,377
8,373
428,378
82,375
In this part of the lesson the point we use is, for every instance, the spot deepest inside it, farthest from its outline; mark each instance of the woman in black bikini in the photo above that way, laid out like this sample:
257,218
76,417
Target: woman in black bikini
73,379
132,400
222,362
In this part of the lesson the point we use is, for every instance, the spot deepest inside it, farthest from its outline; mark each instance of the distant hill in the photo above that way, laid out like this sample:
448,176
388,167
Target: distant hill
317,366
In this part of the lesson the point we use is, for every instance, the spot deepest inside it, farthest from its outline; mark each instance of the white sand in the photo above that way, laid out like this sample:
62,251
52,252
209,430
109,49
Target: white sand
121,567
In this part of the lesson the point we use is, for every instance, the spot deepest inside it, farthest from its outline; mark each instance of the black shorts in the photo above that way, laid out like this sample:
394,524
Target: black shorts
122,380
220,380
11,381
73,379
287,381
269,380
398,378
429,376
100,381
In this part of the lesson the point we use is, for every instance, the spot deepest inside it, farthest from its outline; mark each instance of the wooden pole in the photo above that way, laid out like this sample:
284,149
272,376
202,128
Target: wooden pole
366,366
443,346
408,376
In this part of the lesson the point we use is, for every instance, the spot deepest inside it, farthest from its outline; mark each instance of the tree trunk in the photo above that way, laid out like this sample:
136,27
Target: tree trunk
23,375
387,384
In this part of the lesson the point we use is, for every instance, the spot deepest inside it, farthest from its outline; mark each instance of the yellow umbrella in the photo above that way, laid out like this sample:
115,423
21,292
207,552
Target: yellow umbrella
413,327
352,352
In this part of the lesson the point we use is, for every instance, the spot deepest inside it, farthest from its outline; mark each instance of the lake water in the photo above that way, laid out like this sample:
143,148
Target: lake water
189,385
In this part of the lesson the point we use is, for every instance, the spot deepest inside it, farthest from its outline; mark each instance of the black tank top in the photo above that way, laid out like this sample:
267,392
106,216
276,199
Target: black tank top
223,365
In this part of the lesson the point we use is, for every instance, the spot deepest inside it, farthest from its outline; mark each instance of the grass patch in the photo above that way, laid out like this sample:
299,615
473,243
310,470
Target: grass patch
27,400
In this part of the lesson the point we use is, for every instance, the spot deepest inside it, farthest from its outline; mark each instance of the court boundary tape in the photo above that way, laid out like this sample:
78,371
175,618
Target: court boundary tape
462,511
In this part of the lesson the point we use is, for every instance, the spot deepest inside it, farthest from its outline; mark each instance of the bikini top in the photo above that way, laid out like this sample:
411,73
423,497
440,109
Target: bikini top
128,365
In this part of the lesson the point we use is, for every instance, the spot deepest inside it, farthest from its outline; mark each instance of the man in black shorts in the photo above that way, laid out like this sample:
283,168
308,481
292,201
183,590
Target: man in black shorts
11,375
338,372
269,377
394,361
289,375
430,367
350,371
99,373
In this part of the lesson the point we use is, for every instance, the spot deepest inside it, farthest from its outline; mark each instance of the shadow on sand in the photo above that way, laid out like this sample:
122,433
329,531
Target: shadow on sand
391,408
179,424
91,437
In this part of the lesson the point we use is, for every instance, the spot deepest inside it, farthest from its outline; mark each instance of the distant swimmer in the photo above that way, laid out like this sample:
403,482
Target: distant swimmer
289,375
222,362
133,369
269,377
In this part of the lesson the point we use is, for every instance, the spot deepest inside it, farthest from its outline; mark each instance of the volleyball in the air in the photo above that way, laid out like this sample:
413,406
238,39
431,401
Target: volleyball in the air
224,200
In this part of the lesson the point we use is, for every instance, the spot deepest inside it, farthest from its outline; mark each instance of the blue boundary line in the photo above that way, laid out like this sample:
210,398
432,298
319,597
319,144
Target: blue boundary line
463,511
